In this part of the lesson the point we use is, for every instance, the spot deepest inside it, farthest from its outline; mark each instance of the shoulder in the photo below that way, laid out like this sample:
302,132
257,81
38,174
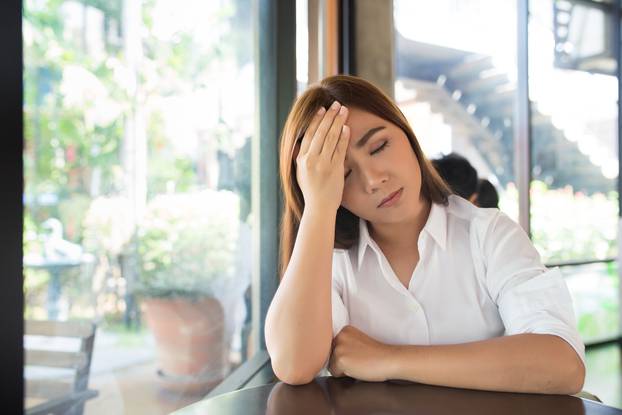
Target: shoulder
477,219
462,208
487,226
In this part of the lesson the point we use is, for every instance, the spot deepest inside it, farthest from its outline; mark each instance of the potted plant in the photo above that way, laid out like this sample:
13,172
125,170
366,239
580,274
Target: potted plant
186,248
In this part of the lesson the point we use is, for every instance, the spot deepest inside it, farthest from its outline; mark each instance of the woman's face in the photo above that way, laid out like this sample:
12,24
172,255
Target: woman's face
379,162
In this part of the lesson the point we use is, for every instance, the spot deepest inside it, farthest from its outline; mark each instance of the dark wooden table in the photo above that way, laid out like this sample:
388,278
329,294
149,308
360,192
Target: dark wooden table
345,396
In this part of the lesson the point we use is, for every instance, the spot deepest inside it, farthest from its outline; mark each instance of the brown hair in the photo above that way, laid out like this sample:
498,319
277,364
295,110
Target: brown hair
352,92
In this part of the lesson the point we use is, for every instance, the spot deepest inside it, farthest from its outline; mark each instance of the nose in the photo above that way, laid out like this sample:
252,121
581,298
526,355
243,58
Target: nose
373,178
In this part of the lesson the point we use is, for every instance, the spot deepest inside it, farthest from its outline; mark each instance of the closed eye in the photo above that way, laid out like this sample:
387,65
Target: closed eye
378,150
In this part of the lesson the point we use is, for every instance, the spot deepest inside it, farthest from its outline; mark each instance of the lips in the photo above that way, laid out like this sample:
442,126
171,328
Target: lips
391,198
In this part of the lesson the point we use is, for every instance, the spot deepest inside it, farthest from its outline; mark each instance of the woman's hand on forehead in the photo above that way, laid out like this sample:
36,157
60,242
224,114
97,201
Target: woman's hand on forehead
320,160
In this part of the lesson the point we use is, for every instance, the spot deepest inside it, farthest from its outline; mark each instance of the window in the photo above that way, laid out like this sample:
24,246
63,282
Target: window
594,291
457,87
574,122
139,118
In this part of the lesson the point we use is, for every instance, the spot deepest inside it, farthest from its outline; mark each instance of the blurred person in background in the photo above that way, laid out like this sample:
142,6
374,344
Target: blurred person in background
459,174
487,196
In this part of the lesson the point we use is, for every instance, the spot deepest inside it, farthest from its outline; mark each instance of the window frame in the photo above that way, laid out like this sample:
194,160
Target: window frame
11,221
275,51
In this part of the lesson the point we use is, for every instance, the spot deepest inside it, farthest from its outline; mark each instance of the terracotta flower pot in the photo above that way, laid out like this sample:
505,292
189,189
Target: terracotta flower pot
192,353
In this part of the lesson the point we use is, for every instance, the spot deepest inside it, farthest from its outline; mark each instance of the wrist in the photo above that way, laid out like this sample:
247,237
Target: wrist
399,359
319,211
392,355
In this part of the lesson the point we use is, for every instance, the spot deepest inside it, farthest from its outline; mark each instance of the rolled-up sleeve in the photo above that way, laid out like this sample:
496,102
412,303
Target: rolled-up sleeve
530,297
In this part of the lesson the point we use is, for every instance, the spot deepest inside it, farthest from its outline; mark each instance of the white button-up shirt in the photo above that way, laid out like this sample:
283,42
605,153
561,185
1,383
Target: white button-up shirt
478,277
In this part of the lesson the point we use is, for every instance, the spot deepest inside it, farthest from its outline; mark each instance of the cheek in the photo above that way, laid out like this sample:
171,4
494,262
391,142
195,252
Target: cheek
346,196
355,201
349,198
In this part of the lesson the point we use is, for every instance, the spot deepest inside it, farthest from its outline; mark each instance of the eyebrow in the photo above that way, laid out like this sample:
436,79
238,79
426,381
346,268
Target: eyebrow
363,140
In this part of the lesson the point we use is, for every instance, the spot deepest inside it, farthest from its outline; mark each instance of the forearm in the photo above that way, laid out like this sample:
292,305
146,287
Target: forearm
299,321
533,363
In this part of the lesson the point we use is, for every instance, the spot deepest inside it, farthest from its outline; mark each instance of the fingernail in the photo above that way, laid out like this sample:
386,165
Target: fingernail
321,111
343,110
335,105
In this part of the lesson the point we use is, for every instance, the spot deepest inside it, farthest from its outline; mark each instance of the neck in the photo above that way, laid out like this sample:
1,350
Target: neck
402,235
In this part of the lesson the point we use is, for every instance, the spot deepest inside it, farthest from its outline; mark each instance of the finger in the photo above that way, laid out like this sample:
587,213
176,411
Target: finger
341,148
335,372
332,137
333,369
308,135
320,134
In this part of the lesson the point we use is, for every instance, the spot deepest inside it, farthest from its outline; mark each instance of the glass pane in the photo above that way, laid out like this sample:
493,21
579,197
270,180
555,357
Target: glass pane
457,87
603,374
574,201
139,118
594,291
302,45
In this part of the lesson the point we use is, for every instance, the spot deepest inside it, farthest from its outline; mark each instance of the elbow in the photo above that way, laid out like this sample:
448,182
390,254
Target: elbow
296,369
293,374
299,367
576,378
568,371
295,378
571,380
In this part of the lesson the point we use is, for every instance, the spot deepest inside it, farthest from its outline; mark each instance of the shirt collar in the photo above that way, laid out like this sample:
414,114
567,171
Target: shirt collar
436,226
364,240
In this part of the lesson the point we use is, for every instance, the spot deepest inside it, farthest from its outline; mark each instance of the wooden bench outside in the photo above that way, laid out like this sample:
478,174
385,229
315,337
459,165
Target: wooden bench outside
60,395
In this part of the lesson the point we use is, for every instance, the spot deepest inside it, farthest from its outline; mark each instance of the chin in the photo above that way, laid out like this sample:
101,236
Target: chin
389,218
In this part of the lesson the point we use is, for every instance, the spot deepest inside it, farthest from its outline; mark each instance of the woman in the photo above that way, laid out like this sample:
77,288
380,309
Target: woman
386,275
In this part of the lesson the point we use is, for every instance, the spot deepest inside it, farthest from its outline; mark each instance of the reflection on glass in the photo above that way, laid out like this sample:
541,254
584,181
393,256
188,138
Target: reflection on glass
574,136
594,291
138,121
457,87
